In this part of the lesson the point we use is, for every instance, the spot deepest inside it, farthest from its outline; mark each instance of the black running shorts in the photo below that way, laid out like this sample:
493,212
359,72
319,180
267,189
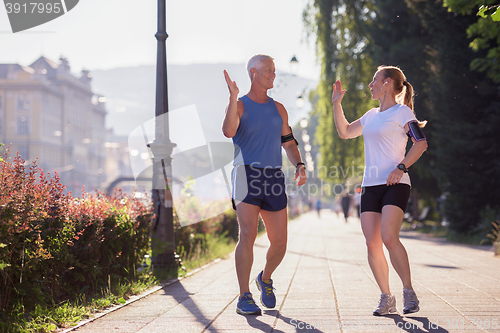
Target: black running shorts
260,187
373,198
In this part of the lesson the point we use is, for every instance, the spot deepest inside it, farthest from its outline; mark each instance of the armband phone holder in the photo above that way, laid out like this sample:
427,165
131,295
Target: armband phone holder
415,131
289,137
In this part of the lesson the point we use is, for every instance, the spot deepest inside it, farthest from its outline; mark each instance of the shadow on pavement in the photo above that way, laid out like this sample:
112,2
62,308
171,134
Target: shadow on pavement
300,326
182,296
441,266
410,234
424,324
254,321
303,326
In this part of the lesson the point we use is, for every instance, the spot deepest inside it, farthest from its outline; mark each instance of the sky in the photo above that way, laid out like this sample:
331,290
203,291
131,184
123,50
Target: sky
105,34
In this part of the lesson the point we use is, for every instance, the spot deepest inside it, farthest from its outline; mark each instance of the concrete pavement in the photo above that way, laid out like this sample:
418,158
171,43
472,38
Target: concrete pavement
324,284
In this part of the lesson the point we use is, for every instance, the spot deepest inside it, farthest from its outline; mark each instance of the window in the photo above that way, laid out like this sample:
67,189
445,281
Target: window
52,106
51,128
23,125
23,103
24,152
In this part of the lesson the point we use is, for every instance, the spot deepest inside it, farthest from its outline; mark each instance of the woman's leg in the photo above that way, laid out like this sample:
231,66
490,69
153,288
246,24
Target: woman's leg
392,218
371,226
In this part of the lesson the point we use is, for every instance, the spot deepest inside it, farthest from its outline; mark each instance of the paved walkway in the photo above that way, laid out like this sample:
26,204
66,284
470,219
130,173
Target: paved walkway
325,284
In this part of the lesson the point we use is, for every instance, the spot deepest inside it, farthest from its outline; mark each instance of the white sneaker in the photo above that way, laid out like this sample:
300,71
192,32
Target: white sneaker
386,305
410,301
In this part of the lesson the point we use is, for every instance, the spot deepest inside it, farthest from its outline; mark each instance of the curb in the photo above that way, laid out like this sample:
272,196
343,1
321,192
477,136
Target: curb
134,298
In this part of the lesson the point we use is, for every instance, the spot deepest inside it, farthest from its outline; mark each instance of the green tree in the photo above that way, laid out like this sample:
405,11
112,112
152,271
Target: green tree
339,27
463,108
485,31
397,37
461,104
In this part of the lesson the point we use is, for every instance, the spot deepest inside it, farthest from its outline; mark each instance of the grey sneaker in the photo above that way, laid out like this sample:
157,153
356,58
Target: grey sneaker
386,305
410,301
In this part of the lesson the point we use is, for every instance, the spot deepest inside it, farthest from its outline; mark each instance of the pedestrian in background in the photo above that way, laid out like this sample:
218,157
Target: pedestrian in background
345,202
318,207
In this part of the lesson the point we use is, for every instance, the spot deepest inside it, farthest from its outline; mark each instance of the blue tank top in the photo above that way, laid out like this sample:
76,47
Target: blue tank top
258,139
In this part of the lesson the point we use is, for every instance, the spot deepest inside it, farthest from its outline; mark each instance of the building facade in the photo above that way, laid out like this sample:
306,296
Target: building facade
49,114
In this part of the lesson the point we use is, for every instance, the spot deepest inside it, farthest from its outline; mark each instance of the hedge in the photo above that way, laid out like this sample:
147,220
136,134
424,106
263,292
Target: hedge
54,246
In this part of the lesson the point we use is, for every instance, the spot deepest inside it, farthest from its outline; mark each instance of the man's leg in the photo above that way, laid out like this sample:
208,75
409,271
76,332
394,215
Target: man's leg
276,227
248,221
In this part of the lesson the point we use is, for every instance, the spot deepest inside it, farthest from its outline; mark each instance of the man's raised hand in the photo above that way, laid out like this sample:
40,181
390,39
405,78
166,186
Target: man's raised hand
231,85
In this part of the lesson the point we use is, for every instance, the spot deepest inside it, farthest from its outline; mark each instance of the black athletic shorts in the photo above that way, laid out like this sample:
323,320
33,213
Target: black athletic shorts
373,198
260,187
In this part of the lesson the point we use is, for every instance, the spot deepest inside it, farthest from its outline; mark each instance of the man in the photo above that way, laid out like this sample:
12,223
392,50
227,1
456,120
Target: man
259,128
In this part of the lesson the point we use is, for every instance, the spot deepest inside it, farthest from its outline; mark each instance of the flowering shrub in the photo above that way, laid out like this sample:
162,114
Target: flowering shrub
54,246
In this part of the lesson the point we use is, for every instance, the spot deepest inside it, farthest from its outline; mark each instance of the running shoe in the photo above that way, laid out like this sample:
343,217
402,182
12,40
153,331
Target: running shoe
386,305
267,297
246,305
410,301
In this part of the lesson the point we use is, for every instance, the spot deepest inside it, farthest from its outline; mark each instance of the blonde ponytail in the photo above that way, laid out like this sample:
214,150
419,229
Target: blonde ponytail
399,79
408,100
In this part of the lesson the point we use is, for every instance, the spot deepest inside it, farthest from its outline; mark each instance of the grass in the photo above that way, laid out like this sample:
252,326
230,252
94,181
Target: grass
430,228
215,247
435,229
67,314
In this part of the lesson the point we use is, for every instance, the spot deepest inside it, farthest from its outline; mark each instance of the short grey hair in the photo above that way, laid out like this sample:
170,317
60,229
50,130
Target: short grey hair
254,62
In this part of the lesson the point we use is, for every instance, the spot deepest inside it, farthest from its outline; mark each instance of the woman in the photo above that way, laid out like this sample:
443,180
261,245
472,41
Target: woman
386,183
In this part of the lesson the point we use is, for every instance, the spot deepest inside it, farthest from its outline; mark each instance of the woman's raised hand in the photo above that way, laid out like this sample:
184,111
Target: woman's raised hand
338,93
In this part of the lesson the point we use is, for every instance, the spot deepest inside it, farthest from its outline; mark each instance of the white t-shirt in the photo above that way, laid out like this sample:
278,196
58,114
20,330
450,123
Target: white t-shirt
385,143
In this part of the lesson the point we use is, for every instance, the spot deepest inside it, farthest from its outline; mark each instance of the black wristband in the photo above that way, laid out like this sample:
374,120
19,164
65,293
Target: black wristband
300,163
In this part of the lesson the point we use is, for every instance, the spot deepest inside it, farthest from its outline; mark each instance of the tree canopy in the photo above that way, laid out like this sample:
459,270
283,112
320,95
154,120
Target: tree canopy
485,33
449,54
340,31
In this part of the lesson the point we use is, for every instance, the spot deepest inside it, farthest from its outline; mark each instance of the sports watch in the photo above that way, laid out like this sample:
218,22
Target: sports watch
402,167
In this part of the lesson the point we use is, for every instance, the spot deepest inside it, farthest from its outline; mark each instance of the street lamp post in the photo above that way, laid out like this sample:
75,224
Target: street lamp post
162,240
283,81
294,65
